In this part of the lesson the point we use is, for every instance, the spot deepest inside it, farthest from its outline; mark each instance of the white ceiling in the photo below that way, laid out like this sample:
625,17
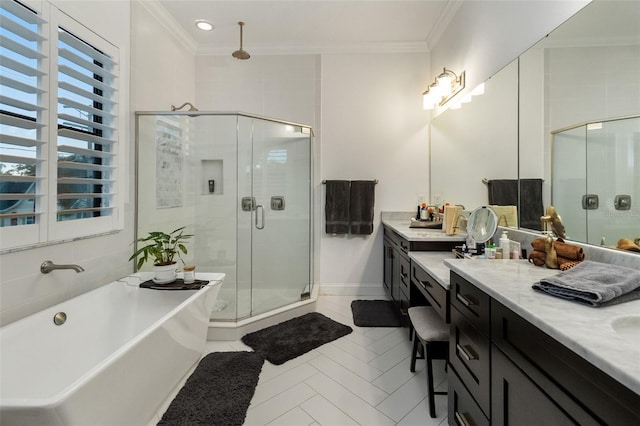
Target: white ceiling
309,26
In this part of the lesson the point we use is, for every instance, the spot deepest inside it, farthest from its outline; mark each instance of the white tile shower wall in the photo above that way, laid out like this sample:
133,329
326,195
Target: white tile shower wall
23,289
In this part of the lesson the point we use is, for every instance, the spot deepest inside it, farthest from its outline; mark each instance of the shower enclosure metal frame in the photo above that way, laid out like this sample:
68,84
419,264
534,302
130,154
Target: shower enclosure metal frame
593,164
258,129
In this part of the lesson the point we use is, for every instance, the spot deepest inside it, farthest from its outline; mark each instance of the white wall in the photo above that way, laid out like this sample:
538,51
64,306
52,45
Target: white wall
484,36
373,127
23,289
476,142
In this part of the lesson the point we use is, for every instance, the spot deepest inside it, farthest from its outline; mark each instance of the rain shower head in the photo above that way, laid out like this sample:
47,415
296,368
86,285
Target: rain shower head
240,53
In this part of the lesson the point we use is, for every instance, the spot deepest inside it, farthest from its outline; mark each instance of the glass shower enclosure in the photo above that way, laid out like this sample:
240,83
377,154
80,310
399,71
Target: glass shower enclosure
595,179
242,185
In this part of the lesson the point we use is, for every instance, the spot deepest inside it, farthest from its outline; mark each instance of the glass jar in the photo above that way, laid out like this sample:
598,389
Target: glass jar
189,274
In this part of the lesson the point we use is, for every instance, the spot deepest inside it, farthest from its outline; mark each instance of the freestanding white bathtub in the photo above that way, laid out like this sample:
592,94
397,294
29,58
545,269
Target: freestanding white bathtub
117,357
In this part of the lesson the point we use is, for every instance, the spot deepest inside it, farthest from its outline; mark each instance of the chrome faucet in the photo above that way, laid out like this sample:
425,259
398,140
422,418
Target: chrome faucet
48,266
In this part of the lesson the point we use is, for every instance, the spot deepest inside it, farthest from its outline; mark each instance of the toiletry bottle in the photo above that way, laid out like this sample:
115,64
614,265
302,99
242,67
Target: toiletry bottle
505,244
423,211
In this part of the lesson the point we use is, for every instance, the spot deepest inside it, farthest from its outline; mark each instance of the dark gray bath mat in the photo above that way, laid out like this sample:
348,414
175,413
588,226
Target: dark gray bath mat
375,313
218,392
290,339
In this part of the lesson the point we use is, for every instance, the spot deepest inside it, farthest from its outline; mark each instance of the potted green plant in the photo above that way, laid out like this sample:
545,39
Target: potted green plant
162,249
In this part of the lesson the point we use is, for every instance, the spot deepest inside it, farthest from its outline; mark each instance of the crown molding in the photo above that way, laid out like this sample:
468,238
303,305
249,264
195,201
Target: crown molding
291,49
443,21
159,12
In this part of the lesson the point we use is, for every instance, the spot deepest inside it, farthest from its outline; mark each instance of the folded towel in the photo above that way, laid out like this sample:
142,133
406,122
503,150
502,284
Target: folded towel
594,284
336,209
361,206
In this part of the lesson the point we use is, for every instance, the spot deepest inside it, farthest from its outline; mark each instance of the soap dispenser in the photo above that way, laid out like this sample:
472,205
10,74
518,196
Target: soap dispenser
505,243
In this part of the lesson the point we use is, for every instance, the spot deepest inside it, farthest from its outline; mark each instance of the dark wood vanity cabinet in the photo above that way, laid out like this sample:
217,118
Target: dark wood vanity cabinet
469,353
396,271
430,290
506,371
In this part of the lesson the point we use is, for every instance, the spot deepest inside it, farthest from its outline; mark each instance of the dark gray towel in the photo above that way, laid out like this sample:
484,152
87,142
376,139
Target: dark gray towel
594,284
530,206
336,208
363,193
503,192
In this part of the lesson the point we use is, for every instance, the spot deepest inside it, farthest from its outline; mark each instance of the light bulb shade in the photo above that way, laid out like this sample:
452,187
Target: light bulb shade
444,84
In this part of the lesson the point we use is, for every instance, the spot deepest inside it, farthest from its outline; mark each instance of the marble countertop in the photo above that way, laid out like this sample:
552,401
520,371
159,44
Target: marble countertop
399,222
433,263
585,330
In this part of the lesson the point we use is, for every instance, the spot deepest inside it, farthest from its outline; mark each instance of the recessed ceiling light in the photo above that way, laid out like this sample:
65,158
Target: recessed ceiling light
204,25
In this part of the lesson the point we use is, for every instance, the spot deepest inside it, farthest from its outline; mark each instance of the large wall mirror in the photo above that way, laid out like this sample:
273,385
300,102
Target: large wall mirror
577,93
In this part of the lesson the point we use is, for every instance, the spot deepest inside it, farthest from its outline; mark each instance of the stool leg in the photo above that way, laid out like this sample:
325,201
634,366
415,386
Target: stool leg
430,389
414,352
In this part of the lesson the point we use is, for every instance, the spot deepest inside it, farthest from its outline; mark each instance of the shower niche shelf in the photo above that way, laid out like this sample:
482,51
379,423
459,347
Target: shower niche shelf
211,173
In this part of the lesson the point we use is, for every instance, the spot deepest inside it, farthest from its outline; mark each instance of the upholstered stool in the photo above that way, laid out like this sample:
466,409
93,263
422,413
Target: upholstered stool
433,335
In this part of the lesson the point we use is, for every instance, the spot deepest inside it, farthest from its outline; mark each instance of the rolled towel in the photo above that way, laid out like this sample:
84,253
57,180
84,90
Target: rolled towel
563,249
537,257
594,284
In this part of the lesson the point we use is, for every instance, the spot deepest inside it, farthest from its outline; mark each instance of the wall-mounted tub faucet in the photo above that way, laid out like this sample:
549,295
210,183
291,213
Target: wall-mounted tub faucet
48,266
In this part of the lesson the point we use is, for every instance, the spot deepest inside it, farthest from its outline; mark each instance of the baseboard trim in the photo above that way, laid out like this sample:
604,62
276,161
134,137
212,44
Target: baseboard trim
352,289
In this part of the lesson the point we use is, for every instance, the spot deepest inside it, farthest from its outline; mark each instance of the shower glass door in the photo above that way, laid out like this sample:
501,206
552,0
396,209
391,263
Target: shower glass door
275,219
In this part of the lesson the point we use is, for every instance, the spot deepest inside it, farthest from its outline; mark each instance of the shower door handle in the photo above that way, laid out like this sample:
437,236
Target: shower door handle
261,225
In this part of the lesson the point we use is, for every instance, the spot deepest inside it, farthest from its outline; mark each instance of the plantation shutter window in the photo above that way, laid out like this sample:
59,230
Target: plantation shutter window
22,116
59,115
86,129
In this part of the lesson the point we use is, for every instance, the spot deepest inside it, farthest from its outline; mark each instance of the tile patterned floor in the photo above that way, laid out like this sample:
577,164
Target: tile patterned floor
360,379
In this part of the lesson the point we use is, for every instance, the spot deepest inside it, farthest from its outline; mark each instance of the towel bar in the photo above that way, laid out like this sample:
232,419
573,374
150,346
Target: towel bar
374,181
485,181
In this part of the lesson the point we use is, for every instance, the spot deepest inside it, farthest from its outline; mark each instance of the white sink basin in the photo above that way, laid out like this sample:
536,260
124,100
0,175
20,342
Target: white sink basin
627,327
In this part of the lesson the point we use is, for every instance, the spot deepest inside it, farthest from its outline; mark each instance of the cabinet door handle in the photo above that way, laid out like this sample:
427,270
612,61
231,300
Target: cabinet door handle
402,272
466,300
461,419
469,356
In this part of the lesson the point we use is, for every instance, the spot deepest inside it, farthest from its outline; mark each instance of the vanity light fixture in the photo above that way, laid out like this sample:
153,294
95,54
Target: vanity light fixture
445,86
203,25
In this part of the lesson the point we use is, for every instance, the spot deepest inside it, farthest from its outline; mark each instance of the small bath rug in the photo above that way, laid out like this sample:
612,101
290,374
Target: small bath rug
218,392
290,339
375,313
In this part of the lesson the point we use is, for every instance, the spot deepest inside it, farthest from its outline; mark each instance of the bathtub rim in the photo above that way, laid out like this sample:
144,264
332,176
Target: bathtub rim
215,279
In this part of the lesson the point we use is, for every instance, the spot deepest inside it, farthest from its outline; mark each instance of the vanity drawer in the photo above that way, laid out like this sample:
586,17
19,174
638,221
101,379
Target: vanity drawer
469,355
405,280
462,408
473,303
399,242
435,294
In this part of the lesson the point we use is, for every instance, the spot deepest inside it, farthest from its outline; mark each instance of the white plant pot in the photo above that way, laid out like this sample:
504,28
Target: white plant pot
164,274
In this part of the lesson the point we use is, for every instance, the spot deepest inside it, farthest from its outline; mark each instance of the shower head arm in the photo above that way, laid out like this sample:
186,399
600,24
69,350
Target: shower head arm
191,107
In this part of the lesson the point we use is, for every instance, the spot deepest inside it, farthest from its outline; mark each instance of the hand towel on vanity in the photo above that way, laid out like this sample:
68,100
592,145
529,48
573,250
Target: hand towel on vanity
594,284
363,194
336,209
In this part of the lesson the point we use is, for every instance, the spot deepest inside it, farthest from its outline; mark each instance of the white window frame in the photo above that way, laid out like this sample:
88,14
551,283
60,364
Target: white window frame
47,229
